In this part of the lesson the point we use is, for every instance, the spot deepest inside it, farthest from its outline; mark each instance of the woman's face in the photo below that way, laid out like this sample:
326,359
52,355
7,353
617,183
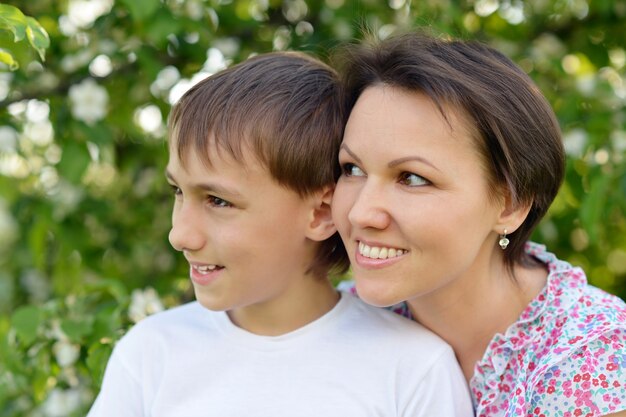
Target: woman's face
412,204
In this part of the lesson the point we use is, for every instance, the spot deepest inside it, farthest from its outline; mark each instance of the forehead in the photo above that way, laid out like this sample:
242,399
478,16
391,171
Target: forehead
212,153
218,165
388,112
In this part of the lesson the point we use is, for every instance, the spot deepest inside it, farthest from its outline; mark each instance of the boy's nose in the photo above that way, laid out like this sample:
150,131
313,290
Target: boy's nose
185,235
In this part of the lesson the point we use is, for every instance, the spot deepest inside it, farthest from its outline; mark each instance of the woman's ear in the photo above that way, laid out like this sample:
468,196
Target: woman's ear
321,226
513,213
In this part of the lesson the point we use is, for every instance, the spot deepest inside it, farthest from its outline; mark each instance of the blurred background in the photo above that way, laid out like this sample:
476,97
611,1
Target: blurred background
85,210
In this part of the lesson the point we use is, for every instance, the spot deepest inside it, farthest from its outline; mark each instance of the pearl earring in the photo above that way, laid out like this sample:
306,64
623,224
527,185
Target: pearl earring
504,241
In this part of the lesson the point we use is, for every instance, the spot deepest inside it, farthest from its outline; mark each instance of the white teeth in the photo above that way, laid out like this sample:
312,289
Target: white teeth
204,268
376,252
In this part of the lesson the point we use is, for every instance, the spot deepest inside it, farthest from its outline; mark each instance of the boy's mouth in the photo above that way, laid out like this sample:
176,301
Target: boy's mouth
206,269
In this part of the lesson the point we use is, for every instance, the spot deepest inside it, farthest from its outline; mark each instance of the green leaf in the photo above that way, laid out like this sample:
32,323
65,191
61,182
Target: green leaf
76,329
38,240
37,36
159,27
13,19
97,357
592,207
108,322
74,162
110,286
26,321
141,10
7,58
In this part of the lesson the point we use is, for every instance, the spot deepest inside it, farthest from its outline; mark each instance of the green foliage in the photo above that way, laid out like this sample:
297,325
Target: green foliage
22,27
85,210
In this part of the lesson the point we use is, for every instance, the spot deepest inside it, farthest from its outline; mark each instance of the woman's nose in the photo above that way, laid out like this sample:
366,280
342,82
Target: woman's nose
368,210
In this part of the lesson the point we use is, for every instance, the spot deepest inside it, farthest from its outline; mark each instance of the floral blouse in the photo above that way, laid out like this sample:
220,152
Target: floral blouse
564,357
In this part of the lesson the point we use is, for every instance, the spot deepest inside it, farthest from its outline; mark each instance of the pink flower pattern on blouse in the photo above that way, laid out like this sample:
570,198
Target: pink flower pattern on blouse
564,357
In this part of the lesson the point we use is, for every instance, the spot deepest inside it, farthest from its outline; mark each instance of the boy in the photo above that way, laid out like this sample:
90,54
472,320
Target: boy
252,166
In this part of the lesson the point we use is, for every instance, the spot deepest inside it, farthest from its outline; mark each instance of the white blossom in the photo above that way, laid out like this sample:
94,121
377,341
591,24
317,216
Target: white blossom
546,47
618,138
89,101
71,63
149,119
8,139
35,284
486,7
228,46
66,353
61,403
82,13
143,303
165,80
37,111
40,133
194,9
575,142
5,84
586,84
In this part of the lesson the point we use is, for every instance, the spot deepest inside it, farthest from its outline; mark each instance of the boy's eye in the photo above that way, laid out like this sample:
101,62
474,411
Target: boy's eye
218,202
177,191
412,180
351,170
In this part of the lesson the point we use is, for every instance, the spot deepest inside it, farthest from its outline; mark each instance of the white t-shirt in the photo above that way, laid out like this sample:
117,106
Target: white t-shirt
356,360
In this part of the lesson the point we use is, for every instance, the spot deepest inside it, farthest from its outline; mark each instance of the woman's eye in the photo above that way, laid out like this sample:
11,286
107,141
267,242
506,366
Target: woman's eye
218,202
351,170
412,180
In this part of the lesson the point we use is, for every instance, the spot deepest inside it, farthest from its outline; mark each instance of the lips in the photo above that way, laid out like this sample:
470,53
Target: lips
204,274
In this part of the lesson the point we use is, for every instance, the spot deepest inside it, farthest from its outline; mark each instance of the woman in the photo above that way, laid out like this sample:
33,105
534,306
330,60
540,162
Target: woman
450,158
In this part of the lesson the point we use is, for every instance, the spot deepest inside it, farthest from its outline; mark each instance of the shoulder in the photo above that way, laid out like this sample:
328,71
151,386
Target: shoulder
590,379
173,324
391,330
405,349
580,345
570,315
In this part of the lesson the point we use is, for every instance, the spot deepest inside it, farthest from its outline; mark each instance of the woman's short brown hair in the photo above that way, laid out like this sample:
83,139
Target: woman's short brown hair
516,130
284,107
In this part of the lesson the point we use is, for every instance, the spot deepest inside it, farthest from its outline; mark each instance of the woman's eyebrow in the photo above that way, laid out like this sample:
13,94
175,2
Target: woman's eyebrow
411,158
349,151
393,163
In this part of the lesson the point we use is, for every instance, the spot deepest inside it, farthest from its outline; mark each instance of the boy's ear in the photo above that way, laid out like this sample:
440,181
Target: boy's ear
320,226
512,215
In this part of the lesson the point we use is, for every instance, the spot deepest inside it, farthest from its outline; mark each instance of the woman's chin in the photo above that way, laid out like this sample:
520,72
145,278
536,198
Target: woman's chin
376,295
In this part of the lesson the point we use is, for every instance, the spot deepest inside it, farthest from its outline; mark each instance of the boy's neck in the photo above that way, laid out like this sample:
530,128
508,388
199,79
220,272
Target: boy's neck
305,304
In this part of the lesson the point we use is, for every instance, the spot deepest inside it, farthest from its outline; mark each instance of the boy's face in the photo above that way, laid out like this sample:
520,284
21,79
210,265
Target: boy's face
242,233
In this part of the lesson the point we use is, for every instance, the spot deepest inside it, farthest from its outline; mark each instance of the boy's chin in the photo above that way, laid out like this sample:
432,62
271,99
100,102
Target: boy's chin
210,303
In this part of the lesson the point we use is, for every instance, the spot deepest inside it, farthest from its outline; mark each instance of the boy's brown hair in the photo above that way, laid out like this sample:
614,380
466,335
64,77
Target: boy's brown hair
284,107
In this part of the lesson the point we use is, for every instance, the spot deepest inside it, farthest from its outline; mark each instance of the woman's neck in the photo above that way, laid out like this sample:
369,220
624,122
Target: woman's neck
470,311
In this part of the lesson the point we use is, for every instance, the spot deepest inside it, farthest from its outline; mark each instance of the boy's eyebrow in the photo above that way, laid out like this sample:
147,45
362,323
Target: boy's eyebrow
210,187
